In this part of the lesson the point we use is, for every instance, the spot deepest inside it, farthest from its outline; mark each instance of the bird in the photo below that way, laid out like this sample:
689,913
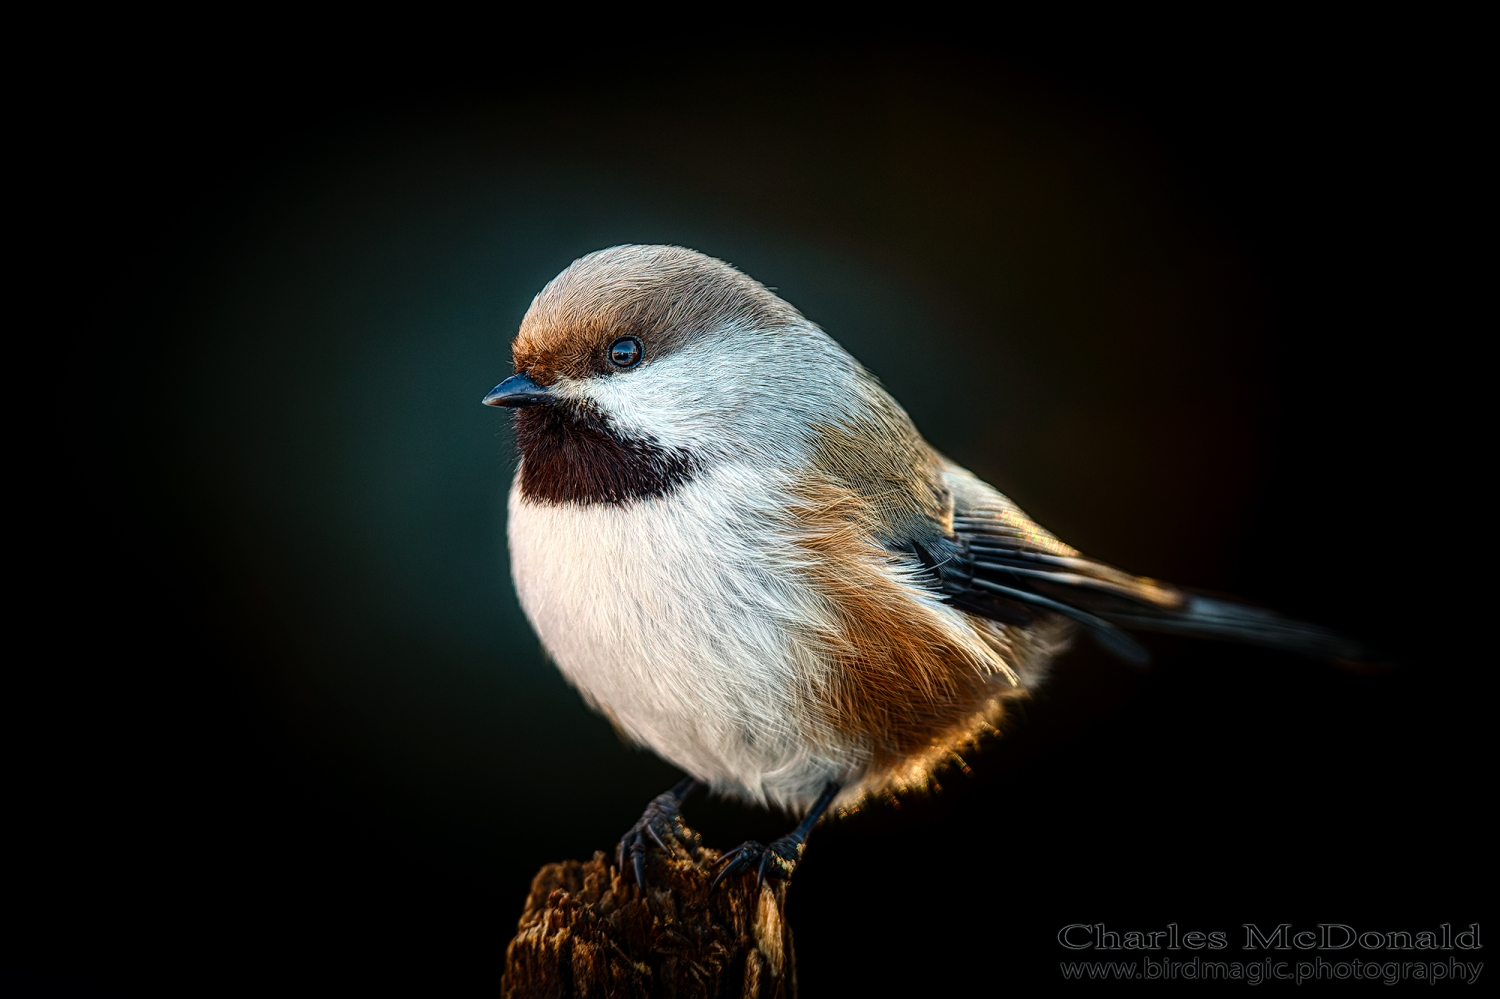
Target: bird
736,545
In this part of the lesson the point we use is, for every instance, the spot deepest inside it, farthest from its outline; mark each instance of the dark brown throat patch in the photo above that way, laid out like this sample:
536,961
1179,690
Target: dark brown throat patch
571,454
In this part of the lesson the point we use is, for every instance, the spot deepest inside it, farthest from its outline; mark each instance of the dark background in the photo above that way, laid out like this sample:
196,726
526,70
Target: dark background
276,721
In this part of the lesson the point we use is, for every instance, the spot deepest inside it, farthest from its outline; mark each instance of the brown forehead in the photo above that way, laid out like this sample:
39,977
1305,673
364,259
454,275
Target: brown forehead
664,295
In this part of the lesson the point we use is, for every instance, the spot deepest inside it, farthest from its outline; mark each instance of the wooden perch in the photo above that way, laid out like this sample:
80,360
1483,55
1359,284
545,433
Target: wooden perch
588,932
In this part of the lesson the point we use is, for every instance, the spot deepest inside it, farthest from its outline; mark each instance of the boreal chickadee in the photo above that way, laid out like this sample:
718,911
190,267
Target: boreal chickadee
735,543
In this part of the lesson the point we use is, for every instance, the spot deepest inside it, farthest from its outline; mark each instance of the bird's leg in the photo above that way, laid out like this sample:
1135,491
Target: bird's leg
662,817
778,860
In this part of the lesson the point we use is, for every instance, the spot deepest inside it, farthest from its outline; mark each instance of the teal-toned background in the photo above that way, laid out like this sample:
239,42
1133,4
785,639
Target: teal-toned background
1075,339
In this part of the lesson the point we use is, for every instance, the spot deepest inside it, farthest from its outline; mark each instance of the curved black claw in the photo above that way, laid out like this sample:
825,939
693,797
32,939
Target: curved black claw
661,819
775,862
778,860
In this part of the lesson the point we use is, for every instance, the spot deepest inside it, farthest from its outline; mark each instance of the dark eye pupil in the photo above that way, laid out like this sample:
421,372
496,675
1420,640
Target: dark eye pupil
625,352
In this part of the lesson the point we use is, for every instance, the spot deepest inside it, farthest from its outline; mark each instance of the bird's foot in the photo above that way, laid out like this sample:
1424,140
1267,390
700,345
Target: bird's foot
660,824
775,862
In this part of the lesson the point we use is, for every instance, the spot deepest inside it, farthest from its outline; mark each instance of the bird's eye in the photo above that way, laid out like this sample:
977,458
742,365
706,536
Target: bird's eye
625,352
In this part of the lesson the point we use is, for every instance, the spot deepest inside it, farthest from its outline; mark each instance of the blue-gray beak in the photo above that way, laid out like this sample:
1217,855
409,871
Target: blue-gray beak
517,390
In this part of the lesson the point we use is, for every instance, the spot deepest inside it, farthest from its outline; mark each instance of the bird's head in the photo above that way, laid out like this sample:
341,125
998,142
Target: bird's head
638,367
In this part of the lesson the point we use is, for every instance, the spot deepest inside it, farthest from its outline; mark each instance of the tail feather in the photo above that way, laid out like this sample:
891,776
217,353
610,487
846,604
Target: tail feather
1228,620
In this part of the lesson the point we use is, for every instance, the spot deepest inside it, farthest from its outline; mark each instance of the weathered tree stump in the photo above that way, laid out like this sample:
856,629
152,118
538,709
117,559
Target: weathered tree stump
588,932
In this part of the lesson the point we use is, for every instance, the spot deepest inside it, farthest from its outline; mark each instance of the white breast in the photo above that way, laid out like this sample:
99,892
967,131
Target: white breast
682,620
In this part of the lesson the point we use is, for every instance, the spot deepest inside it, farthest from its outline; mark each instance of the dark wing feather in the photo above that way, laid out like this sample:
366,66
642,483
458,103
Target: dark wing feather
996,562
986,569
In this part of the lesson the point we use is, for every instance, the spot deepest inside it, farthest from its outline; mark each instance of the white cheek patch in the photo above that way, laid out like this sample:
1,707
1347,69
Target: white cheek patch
737,391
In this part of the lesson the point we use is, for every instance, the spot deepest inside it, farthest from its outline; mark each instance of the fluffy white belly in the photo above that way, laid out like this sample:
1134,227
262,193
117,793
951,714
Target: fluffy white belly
685,621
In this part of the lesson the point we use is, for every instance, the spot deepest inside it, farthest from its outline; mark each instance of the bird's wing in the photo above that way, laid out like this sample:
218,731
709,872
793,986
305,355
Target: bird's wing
994,561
